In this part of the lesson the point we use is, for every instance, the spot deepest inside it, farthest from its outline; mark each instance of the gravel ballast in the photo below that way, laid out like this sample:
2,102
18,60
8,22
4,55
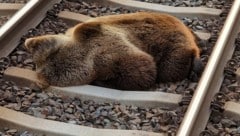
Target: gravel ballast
14,132
88,113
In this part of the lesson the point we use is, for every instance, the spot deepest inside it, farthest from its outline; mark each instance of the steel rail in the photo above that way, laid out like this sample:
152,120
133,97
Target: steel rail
199,111
27,17
18,17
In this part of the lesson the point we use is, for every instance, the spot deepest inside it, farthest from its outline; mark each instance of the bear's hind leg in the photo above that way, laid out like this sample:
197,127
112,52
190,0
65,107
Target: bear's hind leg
175,65
135,71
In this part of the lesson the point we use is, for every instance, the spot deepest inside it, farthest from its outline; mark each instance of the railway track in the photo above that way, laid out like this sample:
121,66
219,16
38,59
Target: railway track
83,110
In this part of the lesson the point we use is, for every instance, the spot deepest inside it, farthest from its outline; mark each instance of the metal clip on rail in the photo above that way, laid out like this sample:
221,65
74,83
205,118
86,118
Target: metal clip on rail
198,111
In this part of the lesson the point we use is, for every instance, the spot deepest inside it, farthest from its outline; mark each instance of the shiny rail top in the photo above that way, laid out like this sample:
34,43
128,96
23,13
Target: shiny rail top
17,17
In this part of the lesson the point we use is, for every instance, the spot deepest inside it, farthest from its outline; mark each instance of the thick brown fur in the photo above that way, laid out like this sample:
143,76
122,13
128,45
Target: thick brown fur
128,51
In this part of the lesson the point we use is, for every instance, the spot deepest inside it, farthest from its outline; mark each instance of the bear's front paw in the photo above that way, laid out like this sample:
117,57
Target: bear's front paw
42,85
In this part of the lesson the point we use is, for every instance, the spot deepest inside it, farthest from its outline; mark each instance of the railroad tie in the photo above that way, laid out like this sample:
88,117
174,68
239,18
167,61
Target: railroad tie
232,110
10,118
176,11
9,8
150,99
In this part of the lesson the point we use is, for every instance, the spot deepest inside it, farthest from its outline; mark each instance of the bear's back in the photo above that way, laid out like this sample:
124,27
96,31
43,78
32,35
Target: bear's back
148,30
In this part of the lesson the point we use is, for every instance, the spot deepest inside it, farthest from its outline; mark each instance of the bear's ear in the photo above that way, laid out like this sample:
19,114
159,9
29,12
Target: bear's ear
87,30
40,43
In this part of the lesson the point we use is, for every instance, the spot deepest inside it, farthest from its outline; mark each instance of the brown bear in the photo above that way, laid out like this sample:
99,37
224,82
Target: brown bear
128,51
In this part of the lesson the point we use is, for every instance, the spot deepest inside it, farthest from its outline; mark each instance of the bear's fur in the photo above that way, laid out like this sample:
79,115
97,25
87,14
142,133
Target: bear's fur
129,51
